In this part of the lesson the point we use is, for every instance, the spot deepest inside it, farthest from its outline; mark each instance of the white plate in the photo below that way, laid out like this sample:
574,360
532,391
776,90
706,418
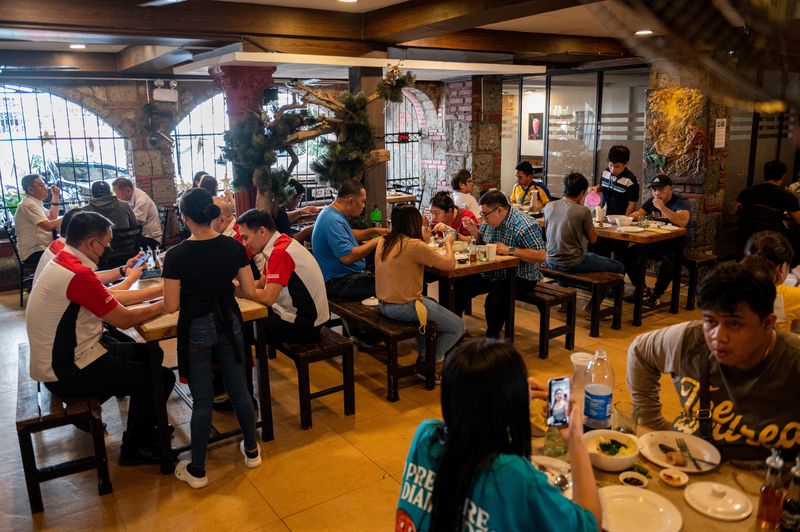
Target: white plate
698,448
370,302
630,229
670,227
553,468
718,501
634,509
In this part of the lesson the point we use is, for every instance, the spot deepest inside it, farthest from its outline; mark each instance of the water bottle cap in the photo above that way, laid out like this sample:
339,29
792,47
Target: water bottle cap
600,353
775,461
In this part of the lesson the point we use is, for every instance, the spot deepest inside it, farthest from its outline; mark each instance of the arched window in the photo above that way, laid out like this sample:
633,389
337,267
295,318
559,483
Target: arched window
67,144
402,139
199,138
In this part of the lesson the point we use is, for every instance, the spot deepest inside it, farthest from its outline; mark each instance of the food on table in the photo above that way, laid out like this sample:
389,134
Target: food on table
633,481
614,447
674,477
675,458
641,470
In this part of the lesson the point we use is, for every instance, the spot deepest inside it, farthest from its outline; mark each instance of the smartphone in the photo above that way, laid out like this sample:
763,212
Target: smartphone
144,258
557,401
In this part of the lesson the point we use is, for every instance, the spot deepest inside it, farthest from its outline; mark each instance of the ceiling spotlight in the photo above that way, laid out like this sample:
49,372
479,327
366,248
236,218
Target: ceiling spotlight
77,46
643,33
348,1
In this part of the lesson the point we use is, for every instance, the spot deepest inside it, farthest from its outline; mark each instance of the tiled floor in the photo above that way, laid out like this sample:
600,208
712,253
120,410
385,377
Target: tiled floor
340,475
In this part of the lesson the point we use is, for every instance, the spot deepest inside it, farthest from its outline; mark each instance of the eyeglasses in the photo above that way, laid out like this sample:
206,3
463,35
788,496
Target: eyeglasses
485,215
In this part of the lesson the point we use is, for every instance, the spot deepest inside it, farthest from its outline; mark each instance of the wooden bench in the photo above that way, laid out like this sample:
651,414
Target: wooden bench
598,284
39,410
330,344
694,262
546,296
391,332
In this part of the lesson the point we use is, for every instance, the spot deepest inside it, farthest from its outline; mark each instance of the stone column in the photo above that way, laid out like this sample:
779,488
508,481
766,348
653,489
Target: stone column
244,91
366,79
473,124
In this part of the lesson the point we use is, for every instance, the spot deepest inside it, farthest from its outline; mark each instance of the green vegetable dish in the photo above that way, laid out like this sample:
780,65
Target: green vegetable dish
614,447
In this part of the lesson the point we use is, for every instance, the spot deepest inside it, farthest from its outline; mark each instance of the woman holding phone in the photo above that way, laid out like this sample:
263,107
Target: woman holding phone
559,408
474,471
198,275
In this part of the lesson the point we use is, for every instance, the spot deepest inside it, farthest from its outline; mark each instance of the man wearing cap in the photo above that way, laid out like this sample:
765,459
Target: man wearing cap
116,210
668,207
289,213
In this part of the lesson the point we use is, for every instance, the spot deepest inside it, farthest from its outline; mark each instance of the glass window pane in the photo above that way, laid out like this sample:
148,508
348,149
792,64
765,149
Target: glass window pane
572,127
523,141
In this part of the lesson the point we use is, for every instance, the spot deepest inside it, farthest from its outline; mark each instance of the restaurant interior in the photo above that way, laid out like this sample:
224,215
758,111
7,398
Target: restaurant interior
102,89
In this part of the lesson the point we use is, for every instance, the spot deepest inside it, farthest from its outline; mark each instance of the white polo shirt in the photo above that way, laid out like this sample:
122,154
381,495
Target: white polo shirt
303,299
30,237
146,212
49,254
64,316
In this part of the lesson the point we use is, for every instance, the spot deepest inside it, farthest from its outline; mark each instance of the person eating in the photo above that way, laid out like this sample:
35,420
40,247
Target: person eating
445,216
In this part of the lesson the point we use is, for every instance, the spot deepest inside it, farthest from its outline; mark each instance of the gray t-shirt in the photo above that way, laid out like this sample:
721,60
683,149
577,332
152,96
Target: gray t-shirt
567,225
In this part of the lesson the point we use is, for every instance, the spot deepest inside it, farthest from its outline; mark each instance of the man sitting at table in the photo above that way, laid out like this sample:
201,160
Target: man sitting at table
291,284
290,213
526,187
516,234
462,192
32,222
144,208
748,369
70,353
569,229
336,245
446,216
664,206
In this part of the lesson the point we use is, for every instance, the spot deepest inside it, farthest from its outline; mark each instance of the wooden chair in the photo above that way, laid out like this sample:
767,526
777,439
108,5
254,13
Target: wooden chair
329,345
25,270
546,296
39,410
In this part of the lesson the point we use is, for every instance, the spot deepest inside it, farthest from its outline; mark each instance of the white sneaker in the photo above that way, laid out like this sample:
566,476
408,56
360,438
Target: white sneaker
251,462
181,473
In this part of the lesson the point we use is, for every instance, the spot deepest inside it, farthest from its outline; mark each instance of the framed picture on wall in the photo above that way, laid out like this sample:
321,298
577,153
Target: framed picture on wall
535,126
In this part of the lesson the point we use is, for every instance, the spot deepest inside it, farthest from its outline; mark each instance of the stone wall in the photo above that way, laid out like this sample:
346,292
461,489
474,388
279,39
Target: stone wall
473,124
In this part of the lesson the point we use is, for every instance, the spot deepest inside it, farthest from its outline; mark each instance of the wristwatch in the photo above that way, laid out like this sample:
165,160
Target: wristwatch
122,271
512,251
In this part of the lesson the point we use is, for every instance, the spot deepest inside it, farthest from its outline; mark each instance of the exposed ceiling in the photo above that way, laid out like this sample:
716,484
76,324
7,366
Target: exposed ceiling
362,6
61,47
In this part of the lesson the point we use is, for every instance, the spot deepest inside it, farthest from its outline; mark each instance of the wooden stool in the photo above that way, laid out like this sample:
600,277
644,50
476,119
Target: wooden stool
598,284
39,410
330,344
694,261
545,296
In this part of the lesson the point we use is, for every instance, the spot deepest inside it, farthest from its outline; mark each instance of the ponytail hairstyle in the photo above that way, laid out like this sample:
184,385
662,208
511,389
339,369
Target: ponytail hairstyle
486,410
406,222
198,206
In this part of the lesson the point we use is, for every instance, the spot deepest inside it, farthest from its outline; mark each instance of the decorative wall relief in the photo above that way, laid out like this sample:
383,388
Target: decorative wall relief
676,143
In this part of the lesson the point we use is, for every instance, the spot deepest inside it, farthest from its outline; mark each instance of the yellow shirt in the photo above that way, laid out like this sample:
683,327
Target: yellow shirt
787,306
520,197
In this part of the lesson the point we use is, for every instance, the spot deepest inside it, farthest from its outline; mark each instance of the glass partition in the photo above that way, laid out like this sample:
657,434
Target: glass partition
510,134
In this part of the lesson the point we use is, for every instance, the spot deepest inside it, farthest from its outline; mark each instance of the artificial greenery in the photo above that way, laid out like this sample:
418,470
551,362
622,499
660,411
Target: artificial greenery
391,86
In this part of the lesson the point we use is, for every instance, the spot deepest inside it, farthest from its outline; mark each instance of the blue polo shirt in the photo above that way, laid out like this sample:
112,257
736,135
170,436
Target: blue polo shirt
333,238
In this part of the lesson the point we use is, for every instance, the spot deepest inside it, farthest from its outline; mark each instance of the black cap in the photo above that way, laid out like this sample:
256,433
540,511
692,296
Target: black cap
661,181
100,189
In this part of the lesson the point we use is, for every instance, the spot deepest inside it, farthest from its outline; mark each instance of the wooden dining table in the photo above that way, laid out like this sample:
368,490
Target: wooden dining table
447,283
644,240
746,481
165,327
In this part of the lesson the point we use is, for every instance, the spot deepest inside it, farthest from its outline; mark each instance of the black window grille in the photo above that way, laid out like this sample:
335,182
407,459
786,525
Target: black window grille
67,144
199,139
402,139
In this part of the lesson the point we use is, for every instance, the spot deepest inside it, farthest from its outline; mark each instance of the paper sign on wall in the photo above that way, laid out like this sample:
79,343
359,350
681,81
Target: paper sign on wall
719,132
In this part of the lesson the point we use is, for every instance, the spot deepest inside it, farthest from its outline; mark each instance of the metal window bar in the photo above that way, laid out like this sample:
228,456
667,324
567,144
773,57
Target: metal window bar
33,119
402,139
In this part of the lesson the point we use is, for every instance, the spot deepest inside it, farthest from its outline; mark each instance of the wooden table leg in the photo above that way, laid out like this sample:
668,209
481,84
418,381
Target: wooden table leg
156,359
511,275
639,292
674,303
264,392
450,287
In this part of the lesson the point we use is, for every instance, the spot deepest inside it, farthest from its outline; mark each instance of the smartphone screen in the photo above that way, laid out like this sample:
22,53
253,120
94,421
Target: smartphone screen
141,260
557,401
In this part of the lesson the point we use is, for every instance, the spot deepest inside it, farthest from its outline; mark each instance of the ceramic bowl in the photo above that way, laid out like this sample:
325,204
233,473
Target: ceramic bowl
459,246
673,477
632,478
619,462
623,220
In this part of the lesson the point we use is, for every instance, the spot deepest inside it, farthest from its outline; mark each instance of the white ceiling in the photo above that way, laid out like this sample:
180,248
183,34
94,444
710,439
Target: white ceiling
60,47
587,20
361,6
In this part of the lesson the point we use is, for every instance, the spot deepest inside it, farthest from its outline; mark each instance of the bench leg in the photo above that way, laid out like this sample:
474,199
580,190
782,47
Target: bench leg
430,361
597,298
392,394
544,331
572,311
349,381
31,474
690,294
100,457
304,391
616,318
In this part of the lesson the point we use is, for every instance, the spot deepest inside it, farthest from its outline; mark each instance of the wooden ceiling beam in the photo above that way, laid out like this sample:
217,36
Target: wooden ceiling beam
297,45
522,43
197,18
420,19
85,61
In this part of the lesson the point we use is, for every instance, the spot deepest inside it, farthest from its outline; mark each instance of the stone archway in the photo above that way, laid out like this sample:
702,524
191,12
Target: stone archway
432,142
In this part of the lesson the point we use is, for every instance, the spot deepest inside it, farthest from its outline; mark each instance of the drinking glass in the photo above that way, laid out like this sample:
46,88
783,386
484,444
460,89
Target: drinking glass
554,443
624,417
482,257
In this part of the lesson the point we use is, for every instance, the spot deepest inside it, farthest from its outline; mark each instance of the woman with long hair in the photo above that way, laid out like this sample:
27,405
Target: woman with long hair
776,254
473,472
198,275
400,260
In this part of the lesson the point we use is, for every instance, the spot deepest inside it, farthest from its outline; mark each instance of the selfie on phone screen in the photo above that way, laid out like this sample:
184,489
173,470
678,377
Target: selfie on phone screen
558,399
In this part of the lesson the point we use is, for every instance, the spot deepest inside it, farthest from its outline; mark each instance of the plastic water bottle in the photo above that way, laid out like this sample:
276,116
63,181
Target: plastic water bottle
599,384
